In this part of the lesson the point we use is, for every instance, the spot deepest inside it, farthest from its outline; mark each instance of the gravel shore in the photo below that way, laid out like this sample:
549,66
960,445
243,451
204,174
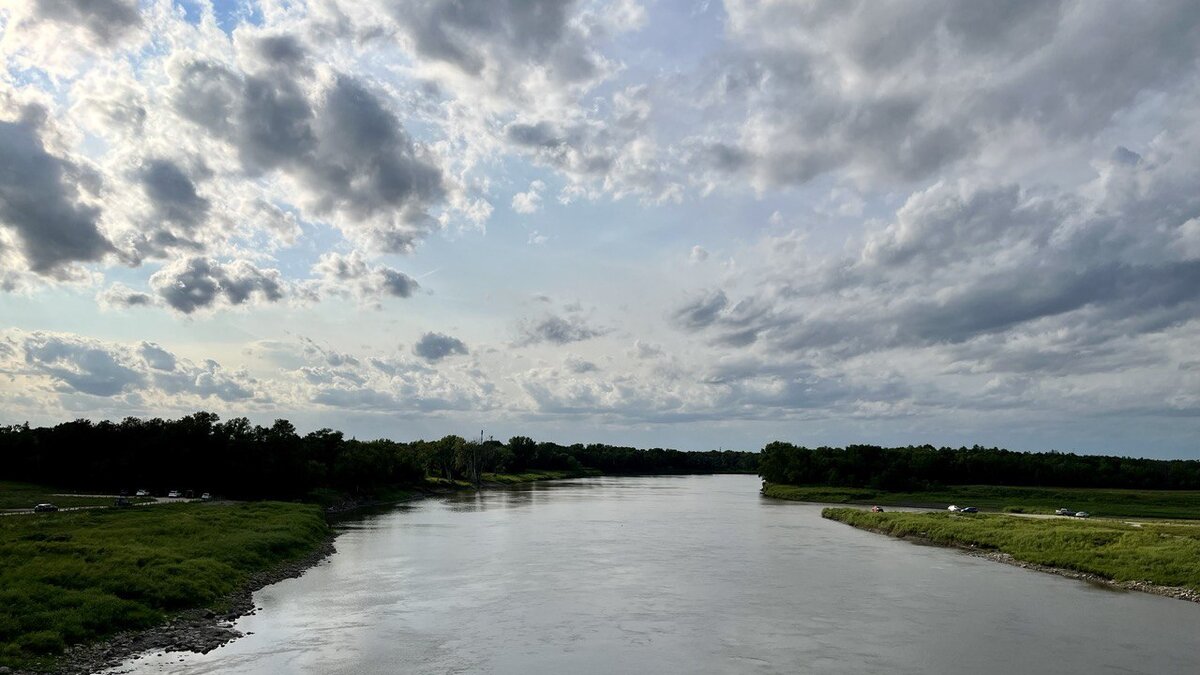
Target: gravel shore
1176,592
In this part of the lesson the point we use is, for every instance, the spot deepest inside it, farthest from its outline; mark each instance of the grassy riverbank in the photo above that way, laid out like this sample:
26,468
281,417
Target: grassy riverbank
1115,503
1162,554
75,577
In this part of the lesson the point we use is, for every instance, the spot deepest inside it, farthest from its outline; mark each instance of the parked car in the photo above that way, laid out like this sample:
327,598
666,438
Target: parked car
122,502
876,509
44,508
968,509
173,493
952,508
1082,514
142,493
206,496
1064,512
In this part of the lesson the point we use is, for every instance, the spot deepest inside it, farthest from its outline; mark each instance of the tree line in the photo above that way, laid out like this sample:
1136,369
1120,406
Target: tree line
238,459
926,467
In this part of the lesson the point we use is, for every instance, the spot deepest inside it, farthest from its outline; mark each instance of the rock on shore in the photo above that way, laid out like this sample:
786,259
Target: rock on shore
1176,592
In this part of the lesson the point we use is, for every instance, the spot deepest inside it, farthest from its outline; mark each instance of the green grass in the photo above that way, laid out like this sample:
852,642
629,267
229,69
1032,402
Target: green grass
1167,554
75,577
25,496
1115,503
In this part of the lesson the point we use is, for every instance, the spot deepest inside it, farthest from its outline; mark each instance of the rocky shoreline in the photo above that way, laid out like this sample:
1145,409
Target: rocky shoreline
195,630
1177,592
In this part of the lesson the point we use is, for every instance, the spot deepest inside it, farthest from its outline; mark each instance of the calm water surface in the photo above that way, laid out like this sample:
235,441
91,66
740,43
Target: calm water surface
677,575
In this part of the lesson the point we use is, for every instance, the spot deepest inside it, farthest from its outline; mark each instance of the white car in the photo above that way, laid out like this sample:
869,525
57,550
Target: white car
952,508
1082,514
206,496
141,493
174,493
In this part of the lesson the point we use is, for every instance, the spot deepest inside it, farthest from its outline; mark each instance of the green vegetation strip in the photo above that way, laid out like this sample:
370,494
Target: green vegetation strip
25,496
1114,503
531,476
1166,555
75,577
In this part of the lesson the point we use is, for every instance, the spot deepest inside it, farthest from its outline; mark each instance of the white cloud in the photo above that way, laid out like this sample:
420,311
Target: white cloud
529,201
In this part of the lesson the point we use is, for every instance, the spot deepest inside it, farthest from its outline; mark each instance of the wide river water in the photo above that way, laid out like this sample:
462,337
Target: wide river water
690,574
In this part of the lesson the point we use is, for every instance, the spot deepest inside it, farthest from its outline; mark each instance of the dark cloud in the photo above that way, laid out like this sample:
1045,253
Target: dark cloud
352,275
1055,72
40,201
434,347
281,50
191,284
82,365
479,35
173,193
397,284
540,135
157,357
106,20
963,265
122,297
345,146
702,311
557,330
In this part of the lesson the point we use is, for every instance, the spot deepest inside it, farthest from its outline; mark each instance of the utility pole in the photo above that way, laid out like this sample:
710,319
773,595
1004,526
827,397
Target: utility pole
475,453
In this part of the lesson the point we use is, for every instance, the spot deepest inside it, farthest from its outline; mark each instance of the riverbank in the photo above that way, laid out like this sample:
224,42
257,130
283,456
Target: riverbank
1167,504
81,577
1163,559
195,630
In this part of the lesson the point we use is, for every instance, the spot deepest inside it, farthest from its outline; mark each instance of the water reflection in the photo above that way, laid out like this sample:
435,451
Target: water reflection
677,575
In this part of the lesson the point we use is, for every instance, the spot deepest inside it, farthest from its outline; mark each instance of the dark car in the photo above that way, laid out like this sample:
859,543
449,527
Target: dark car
968,509
44,508
122,502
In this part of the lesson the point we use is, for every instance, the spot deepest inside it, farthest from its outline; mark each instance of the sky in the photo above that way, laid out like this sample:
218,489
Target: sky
673,223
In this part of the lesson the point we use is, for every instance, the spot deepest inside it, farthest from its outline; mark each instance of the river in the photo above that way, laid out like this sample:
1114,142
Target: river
687,574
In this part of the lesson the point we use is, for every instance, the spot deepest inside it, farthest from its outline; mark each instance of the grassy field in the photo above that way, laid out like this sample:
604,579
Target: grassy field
25,496
1112,503
1167,555
75,577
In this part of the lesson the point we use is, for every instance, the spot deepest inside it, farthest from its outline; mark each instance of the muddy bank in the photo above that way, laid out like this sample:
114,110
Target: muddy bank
195,630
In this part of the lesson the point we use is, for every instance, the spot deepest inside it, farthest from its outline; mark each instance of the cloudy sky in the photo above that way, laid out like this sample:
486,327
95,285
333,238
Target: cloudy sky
658,222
